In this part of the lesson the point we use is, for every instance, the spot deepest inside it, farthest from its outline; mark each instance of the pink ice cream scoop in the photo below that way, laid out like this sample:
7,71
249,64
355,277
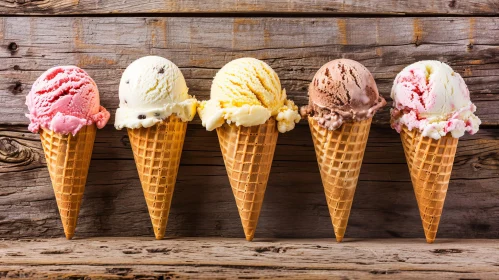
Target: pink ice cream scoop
430,96
343,90
64,99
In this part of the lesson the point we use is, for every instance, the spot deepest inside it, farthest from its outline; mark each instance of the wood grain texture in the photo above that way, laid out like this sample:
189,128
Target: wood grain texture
203,204
294,47
210,258
369,7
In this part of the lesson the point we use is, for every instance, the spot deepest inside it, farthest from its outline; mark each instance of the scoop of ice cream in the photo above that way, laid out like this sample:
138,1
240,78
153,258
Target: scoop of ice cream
342,90
430,96
151,89
247,92
64,99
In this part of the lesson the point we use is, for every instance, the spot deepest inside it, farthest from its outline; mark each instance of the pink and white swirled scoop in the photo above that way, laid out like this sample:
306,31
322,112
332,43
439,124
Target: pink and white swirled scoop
430,96
64,99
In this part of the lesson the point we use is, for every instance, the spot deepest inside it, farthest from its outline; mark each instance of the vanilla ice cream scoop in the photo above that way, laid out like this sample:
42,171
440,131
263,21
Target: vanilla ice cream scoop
247,92
430,96
151,89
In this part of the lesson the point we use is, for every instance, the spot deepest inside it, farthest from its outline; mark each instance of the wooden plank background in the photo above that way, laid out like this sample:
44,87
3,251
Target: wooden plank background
295,46
312,7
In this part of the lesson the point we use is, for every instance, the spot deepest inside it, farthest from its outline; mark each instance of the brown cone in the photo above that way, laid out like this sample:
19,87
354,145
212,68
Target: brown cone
339,155
157,152
68,159
248,154
430,163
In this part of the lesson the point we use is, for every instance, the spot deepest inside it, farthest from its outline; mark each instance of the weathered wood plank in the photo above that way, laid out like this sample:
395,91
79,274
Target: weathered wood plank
203,204
369,7
294,47
144,258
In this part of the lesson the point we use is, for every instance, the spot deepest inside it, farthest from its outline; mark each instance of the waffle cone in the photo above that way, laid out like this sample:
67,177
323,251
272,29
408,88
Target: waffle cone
68,159
157,152
430,163
248,154
339,155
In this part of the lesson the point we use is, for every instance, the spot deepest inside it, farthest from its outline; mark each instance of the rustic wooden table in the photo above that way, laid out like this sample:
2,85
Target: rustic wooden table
295,38
208,258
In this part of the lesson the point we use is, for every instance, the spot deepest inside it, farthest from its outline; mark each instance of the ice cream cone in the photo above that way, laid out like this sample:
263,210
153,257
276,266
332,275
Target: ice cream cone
430,163
68,159
248,154
339,155
157,150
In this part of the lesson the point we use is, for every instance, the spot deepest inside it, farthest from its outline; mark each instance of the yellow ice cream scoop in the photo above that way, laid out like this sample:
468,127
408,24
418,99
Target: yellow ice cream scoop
247,92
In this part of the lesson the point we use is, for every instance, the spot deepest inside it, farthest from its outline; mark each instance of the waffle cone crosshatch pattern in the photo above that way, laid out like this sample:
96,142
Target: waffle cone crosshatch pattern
248,153
339,155
157,152
430,163
68,160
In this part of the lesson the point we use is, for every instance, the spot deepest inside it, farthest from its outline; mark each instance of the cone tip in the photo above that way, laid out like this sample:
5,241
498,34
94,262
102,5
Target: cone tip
69,235
339,239
249,233
159,234
430,240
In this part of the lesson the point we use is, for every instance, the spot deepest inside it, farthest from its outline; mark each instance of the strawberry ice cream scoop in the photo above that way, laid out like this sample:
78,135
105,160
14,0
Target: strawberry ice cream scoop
430,96
64,99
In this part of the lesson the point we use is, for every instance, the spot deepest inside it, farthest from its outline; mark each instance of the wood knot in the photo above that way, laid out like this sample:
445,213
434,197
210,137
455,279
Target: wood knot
125,140
476,166
131,252
469,47
489,161
383,272
16,88
17,68
12,151
16,254
120,271
452,4
417,42
56,252
13,47
165,251
271,249
446,251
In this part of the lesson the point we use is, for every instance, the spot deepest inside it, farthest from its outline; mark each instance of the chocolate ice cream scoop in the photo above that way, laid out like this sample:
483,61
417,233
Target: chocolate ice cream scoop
343,90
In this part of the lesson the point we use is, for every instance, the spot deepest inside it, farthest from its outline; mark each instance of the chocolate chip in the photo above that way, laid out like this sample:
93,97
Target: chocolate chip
162,70
127,81
142,117
126,102
156,114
